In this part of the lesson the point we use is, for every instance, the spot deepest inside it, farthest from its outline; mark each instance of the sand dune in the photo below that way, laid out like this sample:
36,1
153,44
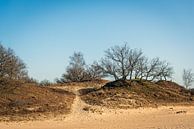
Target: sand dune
170,117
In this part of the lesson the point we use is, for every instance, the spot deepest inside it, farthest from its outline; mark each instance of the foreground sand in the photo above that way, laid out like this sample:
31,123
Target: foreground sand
171,117
149,118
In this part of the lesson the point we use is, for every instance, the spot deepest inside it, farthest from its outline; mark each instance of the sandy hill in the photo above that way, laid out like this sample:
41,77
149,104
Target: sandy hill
29,101
133,94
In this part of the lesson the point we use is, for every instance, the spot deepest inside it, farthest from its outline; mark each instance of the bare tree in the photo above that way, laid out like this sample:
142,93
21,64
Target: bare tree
121,62
152,69
94,72
11,66
188,77
75,72
165,71
108,67
158,70
116,61
141,68
78,71
77,60
134,58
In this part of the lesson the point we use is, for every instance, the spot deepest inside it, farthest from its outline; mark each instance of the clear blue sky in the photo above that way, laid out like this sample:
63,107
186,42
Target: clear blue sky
44,33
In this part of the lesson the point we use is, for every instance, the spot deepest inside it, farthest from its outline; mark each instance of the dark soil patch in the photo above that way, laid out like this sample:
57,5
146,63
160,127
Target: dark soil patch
192,91
86,91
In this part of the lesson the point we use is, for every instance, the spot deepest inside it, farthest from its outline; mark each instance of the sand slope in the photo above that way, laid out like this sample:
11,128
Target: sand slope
178,117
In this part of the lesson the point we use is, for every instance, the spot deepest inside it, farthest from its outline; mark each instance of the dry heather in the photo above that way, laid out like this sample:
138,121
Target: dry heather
28,101
134,94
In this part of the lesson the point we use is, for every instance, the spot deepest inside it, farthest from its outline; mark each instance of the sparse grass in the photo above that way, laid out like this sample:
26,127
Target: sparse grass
29,100
133,94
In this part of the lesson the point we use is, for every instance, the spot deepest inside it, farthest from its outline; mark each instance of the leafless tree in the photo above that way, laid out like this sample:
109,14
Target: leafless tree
119,61
152,69
78,71
122,62
165,71
116,61
11,66
158,70
75,72
94,72
109,68
188,77
134,59
141,68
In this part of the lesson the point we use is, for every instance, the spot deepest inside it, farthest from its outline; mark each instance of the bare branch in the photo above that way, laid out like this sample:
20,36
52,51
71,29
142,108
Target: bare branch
188,77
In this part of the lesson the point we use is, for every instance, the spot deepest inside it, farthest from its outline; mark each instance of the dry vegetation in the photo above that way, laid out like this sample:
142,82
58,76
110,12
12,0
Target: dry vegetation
133,94
140,82
29,102
23,102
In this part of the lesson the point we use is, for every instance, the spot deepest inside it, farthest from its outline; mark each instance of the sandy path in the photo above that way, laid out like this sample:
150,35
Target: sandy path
77,109
148,118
